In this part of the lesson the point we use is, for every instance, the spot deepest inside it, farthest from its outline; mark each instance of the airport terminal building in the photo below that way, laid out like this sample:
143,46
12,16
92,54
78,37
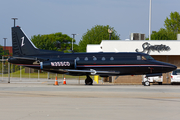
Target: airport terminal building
161,50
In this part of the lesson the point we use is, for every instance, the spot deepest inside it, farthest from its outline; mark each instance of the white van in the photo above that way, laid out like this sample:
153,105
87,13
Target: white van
152,79
175,76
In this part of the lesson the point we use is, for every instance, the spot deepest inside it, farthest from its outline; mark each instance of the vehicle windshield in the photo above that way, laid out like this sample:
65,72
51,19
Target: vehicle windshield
147,57
176,72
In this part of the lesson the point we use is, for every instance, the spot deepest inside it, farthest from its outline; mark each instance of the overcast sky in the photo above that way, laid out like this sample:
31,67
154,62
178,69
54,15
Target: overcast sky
76,16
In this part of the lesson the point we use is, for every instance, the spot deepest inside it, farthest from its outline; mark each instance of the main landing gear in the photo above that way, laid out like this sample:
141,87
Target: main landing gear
88,80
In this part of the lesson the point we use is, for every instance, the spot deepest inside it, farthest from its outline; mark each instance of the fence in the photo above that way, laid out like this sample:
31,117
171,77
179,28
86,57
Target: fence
20,74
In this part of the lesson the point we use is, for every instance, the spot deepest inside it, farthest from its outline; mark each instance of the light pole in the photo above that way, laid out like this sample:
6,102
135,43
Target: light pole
150,21
14,21
3,57
8,62
4,48
5,44
72,40
110,33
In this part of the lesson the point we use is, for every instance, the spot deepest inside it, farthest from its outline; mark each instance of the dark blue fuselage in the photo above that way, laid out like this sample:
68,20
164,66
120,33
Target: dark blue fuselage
120,63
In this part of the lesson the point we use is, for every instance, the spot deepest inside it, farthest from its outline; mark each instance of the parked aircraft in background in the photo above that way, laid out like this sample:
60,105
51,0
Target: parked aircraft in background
77,64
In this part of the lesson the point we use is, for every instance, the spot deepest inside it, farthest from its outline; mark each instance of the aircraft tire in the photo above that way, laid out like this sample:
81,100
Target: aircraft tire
159,83
88,81
146,83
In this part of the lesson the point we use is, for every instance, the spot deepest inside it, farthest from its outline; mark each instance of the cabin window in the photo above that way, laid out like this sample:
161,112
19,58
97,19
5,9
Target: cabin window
138,57
103,58
94,58
86,58
111,58
77,59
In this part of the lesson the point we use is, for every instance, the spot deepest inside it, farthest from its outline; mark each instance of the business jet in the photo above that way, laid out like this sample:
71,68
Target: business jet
78,64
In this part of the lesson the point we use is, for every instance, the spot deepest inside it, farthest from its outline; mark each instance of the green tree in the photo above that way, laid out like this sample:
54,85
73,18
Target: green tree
56,41
163,34
96,35
3,52
172,24
172,28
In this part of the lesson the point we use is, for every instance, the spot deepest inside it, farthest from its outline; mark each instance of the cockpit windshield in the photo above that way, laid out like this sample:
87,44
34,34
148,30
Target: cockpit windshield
147,57
144,57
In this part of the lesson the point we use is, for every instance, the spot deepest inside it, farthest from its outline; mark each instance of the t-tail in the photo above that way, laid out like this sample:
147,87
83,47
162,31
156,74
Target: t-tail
22,45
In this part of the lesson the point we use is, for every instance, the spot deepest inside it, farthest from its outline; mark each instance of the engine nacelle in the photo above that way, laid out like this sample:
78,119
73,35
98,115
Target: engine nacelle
59,64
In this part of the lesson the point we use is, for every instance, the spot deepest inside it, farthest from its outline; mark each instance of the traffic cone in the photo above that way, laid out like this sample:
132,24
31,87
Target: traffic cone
64,82
56,81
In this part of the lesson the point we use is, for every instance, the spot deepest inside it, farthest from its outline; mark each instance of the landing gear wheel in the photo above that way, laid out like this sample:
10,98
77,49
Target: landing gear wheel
146,83
160,83
88,81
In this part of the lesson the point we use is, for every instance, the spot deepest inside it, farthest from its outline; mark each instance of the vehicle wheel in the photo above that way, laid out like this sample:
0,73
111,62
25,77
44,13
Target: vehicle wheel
160,83
146,83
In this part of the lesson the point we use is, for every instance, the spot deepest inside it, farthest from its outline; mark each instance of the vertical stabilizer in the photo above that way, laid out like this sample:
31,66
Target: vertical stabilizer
21,43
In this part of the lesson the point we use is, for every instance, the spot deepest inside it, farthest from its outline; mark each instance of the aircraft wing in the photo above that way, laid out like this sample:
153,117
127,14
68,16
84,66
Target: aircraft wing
91,71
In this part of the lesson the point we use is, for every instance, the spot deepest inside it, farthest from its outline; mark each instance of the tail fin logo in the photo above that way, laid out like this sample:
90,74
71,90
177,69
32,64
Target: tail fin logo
22,44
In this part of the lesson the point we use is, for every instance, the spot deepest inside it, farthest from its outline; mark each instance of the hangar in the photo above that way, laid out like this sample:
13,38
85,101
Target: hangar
161,50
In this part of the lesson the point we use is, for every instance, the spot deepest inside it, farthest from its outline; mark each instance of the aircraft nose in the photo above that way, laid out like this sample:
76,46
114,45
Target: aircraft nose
173,67
169,67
